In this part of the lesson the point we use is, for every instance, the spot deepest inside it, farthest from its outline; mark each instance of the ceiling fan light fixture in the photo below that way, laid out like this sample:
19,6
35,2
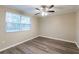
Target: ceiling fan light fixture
47,9
41,8
44,10
44,13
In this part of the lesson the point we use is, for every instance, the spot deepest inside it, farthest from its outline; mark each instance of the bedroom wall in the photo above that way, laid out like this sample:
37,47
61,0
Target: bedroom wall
10,39
77,28
60,27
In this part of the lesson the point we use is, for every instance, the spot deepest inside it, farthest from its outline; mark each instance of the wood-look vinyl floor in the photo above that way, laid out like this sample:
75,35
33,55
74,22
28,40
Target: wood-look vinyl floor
41,45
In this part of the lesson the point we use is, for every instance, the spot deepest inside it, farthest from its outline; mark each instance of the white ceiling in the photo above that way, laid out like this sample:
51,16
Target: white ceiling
60,9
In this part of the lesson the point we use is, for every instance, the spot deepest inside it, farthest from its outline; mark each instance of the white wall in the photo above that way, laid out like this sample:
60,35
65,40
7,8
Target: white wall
10,39
77,28
60,27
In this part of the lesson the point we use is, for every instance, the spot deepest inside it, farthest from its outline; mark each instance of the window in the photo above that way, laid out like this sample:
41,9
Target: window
15,22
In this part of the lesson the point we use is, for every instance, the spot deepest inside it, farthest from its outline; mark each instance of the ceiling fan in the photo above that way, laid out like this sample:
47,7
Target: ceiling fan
44,10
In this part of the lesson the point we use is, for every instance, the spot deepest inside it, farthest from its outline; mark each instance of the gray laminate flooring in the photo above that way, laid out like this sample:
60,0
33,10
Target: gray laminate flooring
41,45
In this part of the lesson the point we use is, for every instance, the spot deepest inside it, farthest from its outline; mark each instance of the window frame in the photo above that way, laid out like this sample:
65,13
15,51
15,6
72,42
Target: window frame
20,28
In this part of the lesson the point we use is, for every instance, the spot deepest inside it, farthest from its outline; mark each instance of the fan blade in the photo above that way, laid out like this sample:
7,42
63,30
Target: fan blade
37,8
37,13
51,6
50,11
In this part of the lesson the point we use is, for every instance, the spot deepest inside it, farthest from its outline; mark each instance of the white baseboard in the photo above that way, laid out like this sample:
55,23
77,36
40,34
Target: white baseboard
17,43
57,39
61,40
77,44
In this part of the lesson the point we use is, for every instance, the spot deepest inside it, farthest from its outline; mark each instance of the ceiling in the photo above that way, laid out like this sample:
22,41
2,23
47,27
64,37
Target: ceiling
60,9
